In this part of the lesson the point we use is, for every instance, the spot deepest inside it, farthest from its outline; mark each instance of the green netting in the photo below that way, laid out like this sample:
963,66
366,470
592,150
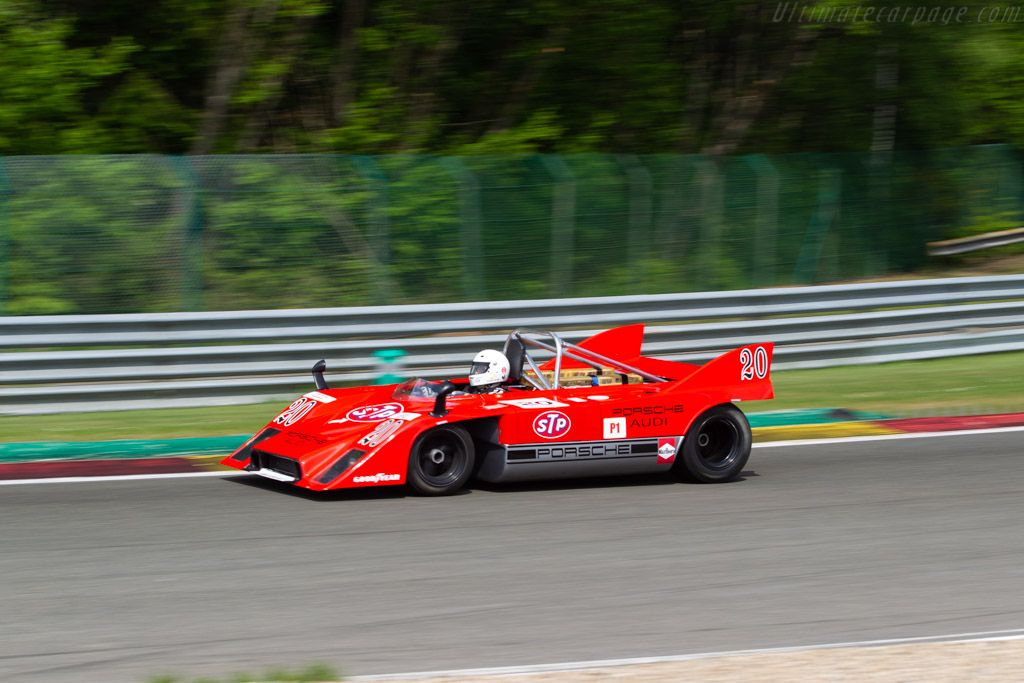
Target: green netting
90,234
94,234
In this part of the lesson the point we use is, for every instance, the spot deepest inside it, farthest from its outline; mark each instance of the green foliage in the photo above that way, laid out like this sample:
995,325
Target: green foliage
314,673
487,77
44,83
495,84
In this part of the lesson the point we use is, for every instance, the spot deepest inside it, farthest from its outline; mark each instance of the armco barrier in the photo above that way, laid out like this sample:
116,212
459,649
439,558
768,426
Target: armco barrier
177,359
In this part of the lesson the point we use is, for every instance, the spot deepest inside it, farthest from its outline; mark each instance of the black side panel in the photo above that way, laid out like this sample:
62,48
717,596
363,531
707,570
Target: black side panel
245,452
561,460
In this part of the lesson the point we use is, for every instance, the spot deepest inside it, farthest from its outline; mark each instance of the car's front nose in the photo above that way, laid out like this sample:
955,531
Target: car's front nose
274,466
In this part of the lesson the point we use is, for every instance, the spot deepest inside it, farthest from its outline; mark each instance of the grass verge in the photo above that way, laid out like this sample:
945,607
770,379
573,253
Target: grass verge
965,385
314,673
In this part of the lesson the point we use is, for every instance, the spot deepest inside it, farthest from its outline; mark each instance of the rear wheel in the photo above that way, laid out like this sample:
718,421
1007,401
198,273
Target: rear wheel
441,461
716,446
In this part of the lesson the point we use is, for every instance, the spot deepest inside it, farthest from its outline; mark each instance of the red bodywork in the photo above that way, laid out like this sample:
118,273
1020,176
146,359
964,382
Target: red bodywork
319,429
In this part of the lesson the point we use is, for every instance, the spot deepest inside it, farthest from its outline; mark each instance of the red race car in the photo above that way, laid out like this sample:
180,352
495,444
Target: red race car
594,408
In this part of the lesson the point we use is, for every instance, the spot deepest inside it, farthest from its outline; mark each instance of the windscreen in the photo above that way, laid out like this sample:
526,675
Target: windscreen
414,388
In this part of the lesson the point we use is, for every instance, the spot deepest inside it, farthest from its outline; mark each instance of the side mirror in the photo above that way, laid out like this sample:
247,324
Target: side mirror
318,375
440,409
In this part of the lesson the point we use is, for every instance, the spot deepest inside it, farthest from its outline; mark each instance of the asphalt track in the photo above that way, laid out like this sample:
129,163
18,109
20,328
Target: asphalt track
116,581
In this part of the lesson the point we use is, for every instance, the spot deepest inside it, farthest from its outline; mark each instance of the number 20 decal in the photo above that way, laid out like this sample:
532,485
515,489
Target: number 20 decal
295,412
754,364
380,433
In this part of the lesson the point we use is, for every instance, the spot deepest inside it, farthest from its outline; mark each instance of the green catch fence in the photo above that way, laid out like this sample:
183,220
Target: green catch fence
141,233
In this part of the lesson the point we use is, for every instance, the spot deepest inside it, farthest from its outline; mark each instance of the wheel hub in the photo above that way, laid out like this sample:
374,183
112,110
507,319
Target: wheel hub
436,456
703,440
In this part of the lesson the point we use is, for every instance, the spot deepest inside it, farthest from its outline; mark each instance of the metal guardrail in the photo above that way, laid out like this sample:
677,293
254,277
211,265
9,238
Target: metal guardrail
962,245
108,362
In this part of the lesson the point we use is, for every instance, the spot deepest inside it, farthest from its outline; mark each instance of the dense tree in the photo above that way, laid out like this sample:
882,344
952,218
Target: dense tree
471,76
211,100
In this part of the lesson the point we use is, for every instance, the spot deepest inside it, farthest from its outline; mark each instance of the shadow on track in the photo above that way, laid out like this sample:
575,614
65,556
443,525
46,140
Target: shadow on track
398,492
368,493
624,481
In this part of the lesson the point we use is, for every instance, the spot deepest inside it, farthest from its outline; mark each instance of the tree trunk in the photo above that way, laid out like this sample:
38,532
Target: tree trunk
698,89
423,99
520,92
292,46
232,65
343,87
744,93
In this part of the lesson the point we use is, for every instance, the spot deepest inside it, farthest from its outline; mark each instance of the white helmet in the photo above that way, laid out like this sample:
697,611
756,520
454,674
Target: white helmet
489,367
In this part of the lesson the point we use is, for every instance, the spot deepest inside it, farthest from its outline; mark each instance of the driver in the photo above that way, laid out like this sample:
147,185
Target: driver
488,372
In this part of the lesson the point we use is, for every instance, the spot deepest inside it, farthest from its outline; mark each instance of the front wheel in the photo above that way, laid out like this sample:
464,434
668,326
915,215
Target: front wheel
441,461
716,446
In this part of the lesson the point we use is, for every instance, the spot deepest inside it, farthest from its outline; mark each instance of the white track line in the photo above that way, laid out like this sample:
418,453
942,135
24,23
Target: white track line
1008,634
121,477
887,437
768,444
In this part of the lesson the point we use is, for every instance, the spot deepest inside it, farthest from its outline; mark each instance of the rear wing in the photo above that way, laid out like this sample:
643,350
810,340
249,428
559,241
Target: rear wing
745,372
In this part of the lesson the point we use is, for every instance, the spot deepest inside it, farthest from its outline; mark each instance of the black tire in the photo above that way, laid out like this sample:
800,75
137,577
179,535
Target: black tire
716,446
441,461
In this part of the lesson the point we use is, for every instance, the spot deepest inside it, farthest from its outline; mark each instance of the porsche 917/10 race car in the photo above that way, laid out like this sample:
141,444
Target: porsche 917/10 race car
594,408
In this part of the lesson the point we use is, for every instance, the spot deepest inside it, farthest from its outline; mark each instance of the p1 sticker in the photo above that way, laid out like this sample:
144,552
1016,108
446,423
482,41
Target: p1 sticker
667,449
615,428
551,424
375,413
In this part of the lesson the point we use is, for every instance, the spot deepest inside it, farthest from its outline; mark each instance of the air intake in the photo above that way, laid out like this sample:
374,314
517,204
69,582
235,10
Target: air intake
340,466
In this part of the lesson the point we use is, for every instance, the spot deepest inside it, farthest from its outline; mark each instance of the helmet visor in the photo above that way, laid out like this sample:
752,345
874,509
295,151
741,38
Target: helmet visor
479,368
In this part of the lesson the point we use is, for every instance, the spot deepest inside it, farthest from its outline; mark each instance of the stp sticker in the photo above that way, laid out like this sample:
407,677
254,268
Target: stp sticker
375,413
615,428
551,424
667,449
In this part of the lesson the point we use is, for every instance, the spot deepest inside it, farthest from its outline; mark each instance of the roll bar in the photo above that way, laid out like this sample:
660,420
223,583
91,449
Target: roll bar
560,348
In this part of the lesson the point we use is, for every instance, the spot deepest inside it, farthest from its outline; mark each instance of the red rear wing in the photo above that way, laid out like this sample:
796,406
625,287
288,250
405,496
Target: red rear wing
618,343
746,371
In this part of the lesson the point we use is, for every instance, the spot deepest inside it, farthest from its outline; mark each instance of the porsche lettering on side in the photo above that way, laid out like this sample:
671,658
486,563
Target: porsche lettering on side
555,409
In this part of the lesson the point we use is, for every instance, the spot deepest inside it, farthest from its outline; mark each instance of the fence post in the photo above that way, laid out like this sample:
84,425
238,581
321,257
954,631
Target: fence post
563,210
1016,186
469,216
380,238
767,220
711,199
5,239
1010,186
192,234
829,188
880,193
640,203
